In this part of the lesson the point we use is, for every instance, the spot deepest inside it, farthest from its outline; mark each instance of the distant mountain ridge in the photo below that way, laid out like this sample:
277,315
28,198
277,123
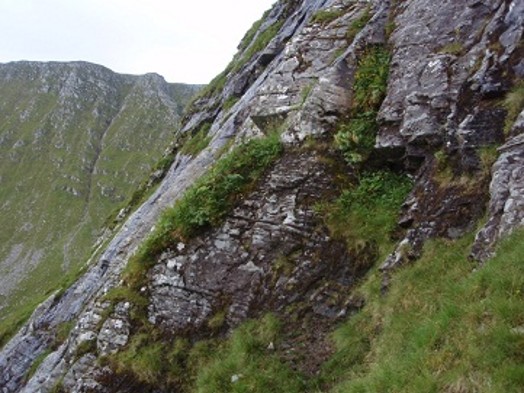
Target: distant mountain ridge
76,139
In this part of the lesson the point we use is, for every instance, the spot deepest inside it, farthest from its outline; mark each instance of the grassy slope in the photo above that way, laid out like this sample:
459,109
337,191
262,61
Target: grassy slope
101,141
443,327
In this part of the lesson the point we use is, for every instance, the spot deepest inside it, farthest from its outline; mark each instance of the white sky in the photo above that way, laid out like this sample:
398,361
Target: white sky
185,41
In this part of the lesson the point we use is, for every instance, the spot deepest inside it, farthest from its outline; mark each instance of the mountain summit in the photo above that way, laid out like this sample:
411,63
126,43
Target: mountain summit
76,140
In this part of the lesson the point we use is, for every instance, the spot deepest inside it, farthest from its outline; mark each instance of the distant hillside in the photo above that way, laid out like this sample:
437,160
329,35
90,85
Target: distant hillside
76,139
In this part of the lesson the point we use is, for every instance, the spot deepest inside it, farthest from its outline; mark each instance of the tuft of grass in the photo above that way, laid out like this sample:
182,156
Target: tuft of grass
245,363
62,332
367,214
358,24
229,103
218,320
454,48
323,17
444,174
514,104
306,91
197,142
125,294
250,34
37,362
487,156
143,358
85,347
260,42
356,136
443,327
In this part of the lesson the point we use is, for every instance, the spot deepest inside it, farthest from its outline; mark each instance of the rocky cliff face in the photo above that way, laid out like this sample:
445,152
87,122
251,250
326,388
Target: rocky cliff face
76,140
427,89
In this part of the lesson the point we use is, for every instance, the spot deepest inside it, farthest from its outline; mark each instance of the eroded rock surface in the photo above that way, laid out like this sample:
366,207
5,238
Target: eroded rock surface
272,251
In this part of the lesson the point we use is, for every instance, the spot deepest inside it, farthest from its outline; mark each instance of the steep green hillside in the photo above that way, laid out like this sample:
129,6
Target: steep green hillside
460,333
76,139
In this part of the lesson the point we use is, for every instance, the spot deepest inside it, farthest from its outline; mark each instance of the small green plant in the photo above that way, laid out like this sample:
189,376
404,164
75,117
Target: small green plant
514,104
356,136
229,103
487,156
125,294
390,28
358,24
217,321
454,48
371,77
62,332
444,173
283,266
324,17
58,387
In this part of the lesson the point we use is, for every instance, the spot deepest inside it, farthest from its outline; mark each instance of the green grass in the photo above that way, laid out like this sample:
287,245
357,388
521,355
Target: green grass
37,363
262,40
250,34
229,103
209,365
514,104
143,358
245,364
356,135
453,48
366,215
10,325
358,24
324,17
441,328
197,142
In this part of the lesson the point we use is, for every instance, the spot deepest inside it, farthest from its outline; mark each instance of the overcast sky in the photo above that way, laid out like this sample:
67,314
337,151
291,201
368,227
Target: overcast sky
184,41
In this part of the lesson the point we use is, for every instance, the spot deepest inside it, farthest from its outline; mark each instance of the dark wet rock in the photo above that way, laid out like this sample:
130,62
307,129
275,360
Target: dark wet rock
273,251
